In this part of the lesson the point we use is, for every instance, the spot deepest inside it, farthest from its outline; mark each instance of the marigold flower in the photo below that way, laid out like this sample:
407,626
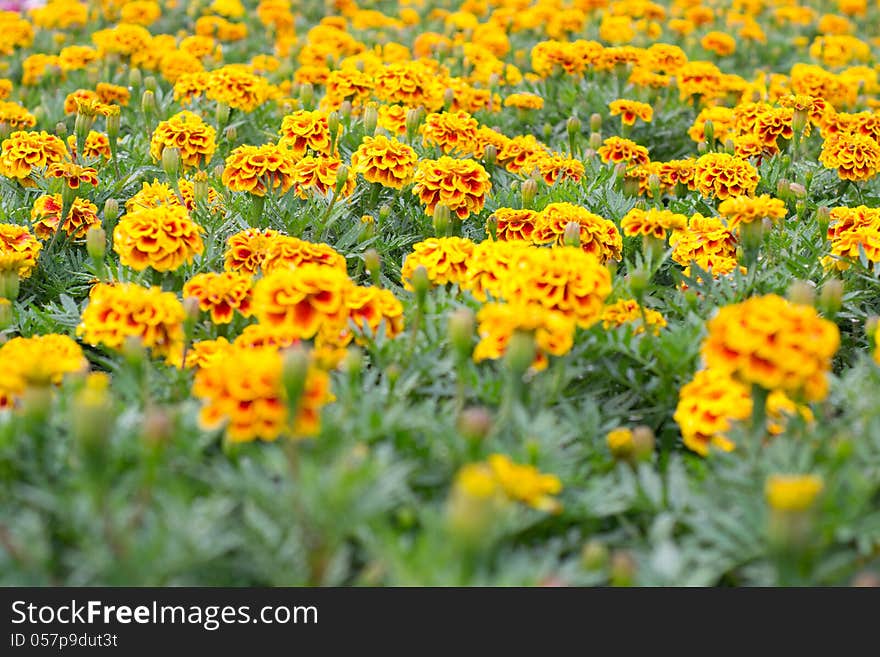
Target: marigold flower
283,252
121,311
257,169
304,300
320,175
372,307
23,152
853,231
238,88
384,161
630,110
46,215
221,294
524,101
520,152
856,157
554,168
246,250
721,43
526,484
598,236
497,322
39,360
112,94
721,175
706,241
72,174
793,493
204,353
771,342
653,222
617,149
305,131
454,132
185,131
245,392
628,310
97,145
444,259
163,238
746,209
514,224
461,185
19,250
15,116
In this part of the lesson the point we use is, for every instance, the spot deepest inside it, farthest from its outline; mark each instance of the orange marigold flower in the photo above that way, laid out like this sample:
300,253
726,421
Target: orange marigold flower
773,343
257,169
706,241
19,250
444,258
163,238
185,131
630,110
372,307
15,116
23,152
454,132
321,174
628,310
46,215
618,149
676,172
304,300
283,252
245,392
207,352
303,131
524,101
461,185
112,94
97,146
513,224
385,161
598,236
653,222
246,250
853,231
746,209
497,322
489,265
72,174
238,88
721,43
39,360
856,157
393,119
721,175
118,312
707,407
554,168
221,294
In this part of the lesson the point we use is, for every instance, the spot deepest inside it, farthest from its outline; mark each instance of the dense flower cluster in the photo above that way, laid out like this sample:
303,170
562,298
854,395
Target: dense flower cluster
46,216
460,185
221,294
163,238
259,169
186,132
385,161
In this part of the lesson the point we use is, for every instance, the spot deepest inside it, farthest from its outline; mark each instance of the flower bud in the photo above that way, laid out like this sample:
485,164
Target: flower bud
413,121
221,115
643,443
373,264
306,94
620,443
490,154
529,190
96,242
133,351
595,123
171,162
157,427
573,126
461,332
594,555
421,284
61,129
384,211
91,416
111,213
148,102
595,140
492,227
521,352
113,120
333,124
823,218
371,119
150,83
831,297
475,423
7,314
798,190
448,98
783,189
200,187
5,130
9,284
345,109
441,219
231,134
802,292
342,174
295,368
623,568
799,120
135,78
631,186
571,235
548,131
218,171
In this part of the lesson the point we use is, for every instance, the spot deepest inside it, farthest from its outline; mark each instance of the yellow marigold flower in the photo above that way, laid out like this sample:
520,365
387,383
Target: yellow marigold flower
393,119
856,157
76,57
513,224
97,145
620,442
221,28
122,311
553,332
554,168
123,39
454,132
723,124
598,236
303,131
853,231
19,250
461,185
140,12
15,116
489,265
520,152
158,194
698,79
524,101
409,83
526,484
304,300
257,169
59,15
177,63
5,88
221,294
73,174
188,133
444,258
746,209
630,110
653,222
40,360
238,88
721,175
706,241
372,307
37,67
246,250
245,393
320,175
771,342
618,149
283,252
112,94
163,238
261,335
721,43
707,407
190,86
204,353
74,99
676,172
786,492
46,215
384,161
23,152
628,310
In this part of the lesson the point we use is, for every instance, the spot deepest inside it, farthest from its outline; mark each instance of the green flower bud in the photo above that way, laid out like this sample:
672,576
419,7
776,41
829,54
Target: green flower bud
571,235
461,332
171,162
96,243
475,423
441,220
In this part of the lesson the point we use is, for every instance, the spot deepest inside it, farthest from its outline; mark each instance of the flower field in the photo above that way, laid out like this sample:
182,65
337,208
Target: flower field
493,292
